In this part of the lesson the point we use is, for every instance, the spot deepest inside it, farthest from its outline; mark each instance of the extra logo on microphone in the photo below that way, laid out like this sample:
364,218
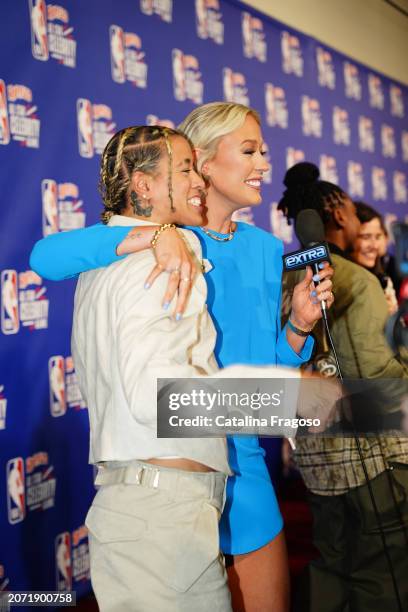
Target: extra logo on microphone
300,259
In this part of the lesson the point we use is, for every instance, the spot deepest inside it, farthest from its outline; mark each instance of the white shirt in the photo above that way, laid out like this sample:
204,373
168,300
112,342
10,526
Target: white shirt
123,340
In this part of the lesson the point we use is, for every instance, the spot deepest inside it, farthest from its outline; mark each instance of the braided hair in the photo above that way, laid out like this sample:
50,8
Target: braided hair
304,189
133,148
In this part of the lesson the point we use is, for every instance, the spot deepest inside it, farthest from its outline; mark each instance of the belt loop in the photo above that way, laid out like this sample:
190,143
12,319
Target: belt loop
156,479
213,484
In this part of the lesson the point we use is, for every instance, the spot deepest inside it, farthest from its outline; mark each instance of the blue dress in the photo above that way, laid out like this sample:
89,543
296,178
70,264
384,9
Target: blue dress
244,294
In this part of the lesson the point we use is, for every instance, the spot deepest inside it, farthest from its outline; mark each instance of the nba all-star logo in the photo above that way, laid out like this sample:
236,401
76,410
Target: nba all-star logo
311,117
389,148
276,106
127,57
396,101
187,83
253,37
294,156
375,91
95,127
352,81
326,75
71,558
234,85
355,179
328,169
379,183
341,126
292,58
51,33
162,8
18,116
62,208
209,20
3,408
64,389
366,134
23,301
31,485
399,181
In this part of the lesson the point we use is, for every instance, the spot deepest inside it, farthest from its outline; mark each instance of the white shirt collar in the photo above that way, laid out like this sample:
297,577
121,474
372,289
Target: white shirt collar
123,220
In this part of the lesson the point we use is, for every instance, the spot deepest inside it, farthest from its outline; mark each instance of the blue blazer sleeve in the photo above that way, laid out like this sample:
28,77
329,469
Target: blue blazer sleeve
67,254
285,355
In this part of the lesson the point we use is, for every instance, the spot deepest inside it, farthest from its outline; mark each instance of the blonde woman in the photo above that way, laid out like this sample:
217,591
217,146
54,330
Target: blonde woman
244,292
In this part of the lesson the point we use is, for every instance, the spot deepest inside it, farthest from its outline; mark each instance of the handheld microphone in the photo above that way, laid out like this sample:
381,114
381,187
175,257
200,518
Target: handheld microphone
309,229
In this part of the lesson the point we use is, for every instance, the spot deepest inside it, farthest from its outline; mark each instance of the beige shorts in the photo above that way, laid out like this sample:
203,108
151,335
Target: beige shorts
154,543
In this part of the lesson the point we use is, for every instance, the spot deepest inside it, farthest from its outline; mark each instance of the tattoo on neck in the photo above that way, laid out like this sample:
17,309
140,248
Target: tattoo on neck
138,209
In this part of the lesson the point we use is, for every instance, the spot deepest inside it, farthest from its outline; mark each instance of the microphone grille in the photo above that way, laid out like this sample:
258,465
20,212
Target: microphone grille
309,227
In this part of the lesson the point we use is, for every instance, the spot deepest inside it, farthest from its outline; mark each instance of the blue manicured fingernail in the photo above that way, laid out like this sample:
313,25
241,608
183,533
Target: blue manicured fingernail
166,305
321,265
314,293
316,278
315,301
147,285
178,316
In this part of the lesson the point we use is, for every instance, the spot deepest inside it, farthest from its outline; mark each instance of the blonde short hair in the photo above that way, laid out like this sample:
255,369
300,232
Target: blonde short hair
208,123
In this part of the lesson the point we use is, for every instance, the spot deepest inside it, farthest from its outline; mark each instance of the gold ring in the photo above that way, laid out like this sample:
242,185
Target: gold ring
186,279
175,271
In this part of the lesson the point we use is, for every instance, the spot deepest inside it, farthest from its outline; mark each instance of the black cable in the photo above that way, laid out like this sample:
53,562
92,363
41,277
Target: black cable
367,479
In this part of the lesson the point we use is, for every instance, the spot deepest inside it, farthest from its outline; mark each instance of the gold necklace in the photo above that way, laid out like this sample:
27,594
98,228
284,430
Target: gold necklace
230,236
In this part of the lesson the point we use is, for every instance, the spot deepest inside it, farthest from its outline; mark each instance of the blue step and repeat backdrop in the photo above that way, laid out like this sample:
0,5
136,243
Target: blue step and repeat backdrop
73,73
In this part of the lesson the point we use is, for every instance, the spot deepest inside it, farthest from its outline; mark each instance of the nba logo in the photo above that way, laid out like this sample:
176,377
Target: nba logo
10,320
179,84
84,119
63,564
117,47
56,372
15,490
49,207
4,122
39,38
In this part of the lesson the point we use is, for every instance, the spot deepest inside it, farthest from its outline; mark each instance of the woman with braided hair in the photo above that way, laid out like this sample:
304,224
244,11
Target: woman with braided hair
244,292
153,525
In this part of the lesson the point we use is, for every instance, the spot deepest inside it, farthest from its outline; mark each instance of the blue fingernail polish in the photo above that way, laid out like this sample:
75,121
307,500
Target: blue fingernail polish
314,293
315,301
316,278
178,316
321,265
147,285
166,305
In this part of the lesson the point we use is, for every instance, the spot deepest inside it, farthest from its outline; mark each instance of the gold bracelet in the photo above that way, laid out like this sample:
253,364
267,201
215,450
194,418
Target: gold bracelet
157,233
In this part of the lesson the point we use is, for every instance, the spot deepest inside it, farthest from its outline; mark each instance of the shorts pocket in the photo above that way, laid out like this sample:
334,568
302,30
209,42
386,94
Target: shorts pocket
109,526
187,551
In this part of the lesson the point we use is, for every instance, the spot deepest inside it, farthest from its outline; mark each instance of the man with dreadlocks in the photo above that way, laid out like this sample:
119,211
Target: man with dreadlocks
352,573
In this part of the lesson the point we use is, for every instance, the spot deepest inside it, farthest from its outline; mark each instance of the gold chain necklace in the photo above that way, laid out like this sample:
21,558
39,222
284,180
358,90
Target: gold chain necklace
209,233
